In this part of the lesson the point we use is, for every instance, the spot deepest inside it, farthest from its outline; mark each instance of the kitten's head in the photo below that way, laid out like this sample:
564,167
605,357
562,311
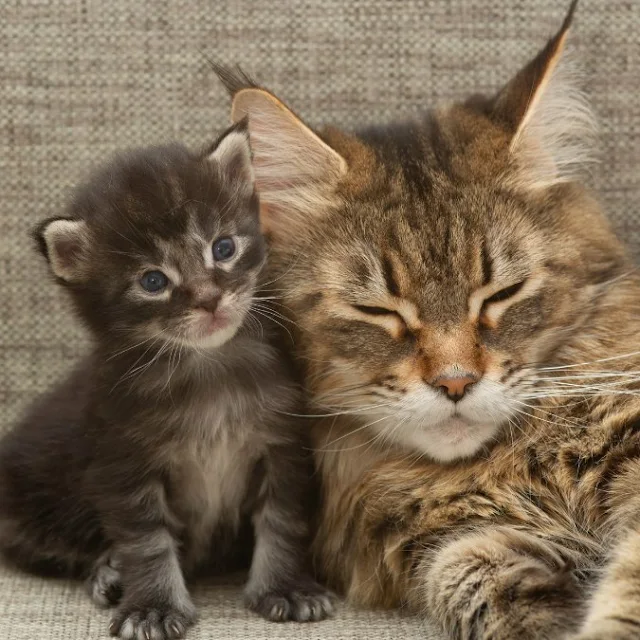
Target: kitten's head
433,267
163,245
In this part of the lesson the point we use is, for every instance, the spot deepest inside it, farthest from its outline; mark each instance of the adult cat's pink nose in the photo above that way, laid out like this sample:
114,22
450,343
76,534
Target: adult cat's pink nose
455,386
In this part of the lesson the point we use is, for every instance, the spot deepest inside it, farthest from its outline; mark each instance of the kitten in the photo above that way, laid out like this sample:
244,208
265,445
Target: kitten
151,457
464,308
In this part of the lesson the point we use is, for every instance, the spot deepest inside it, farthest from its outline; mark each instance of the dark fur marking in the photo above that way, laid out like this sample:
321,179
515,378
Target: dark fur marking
387,269
487,265
416,507
532,497
312,300
621,447
628,621
615,461
411,550
476,624
388,524
400,145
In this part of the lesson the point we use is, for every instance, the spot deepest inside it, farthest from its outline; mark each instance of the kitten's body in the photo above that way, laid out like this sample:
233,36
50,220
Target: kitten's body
203,435
152,460
470,325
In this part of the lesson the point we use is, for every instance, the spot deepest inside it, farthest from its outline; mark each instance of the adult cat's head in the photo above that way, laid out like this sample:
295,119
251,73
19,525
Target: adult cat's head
432,267
163,246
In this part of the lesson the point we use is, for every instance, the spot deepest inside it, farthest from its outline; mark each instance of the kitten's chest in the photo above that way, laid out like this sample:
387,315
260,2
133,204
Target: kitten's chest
209,490
211,470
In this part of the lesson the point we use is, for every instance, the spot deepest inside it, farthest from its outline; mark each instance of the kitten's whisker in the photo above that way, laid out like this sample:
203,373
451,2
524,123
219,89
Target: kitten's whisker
134,371
273,312
268,317
139,344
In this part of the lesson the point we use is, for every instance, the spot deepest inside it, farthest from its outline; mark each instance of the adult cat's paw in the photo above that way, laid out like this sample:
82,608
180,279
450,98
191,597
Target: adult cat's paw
613,628
306,601
150,623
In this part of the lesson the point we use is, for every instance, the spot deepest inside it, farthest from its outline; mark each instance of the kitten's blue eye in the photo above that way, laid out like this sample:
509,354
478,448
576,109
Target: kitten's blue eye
154,281
223,249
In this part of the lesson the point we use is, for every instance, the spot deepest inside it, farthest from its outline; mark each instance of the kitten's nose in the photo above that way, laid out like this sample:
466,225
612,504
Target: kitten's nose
209,304
455,386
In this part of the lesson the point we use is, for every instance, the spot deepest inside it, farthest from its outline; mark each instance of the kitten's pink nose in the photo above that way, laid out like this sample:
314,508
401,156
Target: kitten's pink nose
210,304
455,386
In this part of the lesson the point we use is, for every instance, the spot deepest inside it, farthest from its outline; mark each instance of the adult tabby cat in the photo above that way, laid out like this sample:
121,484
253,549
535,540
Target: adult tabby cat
470,326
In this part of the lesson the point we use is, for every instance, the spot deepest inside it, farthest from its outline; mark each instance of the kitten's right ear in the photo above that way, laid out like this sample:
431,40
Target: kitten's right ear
232,153
296,171
65,244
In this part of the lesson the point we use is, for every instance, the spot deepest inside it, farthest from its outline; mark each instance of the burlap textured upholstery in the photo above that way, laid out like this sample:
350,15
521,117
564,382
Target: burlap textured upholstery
82,78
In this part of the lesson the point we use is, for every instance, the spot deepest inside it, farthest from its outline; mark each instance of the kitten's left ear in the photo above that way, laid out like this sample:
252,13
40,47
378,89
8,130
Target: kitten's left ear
232,153
551,123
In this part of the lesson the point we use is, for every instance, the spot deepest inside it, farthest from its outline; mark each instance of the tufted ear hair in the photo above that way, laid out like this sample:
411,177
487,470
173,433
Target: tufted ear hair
552,125
65,244
296,171
232,153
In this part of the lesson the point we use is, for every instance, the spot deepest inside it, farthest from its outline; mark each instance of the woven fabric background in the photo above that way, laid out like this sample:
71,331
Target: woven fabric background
82,78
37,609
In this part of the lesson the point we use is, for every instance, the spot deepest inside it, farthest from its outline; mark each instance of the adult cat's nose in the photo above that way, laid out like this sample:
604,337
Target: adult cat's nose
455,386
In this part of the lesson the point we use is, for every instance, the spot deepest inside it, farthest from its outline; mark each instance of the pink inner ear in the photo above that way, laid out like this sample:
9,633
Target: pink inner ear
68,252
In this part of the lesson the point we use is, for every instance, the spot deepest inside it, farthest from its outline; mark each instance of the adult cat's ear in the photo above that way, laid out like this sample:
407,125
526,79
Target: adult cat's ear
232,153
65,244
552,125
296,171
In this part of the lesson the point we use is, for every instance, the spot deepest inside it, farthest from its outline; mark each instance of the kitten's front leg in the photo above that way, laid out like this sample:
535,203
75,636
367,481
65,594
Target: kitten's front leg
279,587
155,603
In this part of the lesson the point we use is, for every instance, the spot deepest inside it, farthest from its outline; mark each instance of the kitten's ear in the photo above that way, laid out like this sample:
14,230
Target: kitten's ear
232,153
65,244
552,125
296,172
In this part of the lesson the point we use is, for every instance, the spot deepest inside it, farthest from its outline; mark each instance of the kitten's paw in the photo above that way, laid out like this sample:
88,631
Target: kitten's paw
105,585
150,623
304,602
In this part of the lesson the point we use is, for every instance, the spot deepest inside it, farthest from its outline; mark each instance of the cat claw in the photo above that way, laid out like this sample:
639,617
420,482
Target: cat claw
308,603
151,624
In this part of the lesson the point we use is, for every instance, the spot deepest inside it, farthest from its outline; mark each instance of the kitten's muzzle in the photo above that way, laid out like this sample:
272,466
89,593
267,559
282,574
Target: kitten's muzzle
209,317
210,304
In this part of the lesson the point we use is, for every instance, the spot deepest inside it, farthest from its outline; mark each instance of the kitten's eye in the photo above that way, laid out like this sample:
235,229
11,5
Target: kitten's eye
223,249
504,294
154,281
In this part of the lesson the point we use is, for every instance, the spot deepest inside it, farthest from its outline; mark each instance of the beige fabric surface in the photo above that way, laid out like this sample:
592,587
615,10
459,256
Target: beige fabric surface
82,78
37,609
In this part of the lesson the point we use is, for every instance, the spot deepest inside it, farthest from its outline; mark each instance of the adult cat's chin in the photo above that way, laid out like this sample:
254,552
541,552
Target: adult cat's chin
455,438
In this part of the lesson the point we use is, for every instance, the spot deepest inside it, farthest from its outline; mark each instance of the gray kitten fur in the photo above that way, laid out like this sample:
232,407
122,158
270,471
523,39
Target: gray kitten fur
148,463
